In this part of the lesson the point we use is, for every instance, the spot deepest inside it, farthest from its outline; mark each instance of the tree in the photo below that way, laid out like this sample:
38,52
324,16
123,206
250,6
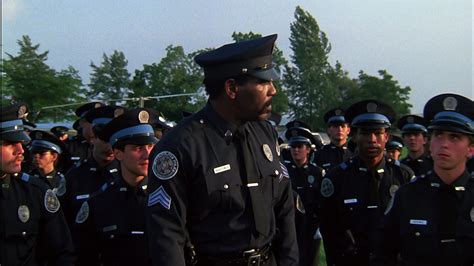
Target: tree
27,78
280,101
111,79
176,73
311,82
384,89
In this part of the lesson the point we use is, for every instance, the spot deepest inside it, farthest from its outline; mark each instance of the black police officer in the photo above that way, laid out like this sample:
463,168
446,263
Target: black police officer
414,131
431,220
336,152
216,182
356,193
112,222
305,180
33,230
46,150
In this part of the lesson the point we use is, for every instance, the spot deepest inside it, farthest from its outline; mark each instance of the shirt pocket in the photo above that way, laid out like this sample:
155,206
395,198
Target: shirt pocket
25,236
224,191
418,239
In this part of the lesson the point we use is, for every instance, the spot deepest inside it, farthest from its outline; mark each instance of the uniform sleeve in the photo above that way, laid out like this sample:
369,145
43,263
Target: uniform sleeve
167,207
85,238
55,245
388,235
285,244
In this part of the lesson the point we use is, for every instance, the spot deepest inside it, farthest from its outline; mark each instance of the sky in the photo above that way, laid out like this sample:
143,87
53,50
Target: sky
425,44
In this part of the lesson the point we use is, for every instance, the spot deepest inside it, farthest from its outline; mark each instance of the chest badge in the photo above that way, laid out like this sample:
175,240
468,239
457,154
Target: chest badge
23,213
268,152
51,202
83,213
310,179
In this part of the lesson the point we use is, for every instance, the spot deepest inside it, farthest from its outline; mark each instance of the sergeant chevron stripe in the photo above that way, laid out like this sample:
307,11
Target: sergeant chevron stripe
160,196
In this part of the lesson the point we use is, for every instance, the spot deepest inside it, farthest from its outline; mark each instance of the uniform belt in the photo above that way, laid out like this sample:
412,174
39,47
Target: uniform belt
252,257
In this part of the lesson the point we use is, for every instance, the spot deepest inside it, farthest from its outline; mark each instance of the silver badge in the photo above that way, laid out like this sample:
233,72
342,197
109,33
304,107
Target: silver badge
389,206
277,148
371,107
97,105
23,213
51,202
143,117
310,179
165,165
268,152
410,119
61,190
450,103
327,188
118,112
472,214
392,190
83,213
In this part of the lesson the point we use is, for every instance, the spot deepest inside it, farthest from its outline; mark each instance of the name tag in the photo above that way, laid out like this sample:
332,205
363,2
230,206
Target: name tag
252,185
372,207
349,201
221,169
137,232
459,188
418,222
85,196
109,228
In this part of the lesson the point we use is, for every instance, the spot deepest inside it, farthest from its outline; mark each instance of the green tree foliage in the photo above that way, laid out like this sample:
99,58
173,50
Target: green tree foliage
384,89
280,101
312,84
176,73
27,78
111,79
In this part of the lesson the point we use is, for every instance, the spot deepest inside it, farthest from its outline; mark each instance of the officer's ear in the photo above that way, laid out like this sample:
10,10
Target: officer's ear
231,88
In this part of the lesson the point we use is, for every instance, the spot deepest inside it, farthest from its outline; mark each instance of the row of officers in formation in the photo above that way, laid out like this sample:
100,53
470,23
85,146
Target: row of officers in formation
218,190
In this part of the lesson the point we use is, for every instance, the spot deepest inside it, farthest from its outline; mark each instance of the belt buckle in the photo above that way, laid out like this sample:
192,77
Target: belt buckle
253,257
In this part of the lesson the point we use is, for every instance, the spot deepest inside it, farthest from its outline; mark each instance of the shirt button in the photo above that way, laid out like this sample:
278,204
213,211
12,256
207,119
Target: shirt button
417,234
23,233
112,236
201,121
226,186
276,172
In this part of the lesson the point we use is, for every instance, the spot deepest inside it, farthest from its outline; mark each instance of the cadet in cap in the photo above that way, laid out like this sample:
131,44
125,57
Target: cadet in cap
30,209
394,147
414,134
297,123
365,182
336,152
437,201
227,148
305,179
121,203
61,132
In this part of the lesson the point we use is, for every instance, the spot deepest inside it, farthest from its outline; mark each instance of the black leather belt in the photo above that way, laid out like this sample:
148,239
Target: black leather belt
252,257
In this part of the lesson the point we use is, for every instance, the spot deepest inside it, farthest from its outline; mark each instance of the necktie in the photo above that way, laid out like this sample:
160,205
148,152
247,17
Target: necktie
252,176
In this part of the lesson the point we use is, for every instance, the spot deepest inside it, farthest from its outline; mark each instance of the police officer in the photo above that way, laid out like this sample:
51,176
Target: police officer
414,131
305,179
285,150
394,147
431,220
336,152
90,174
216,183
355,194
33,230
46,150
114,221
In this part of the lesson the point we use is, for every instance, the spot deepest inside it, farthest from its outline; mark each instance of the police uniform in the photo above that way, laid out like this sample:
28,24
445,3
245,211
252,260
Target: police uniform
354,197
415,124
202,196
330,155
33,230
430,222
112,226
305,181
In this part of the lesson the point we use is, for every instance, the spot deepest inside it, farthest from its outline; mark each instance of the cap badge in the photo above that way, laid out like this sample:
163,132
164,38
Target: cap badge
338,112
268,152
327,188
118,112
165,165
310,179
22,111
410,119
450,103
143,116
83,213
51,202
371,107
97,105
23,213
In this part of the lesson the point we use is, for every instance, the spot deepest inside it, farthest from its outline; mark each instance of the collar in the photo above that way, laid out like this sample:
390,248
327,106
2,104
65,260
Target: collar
225,128
459,185
379,169
141,187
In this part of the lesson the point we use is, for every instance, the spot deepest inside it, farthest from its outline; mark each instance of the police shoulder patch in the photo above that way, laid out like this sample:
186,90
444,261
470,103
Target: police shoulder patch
51,202
165,165
327,188
61,190
83,213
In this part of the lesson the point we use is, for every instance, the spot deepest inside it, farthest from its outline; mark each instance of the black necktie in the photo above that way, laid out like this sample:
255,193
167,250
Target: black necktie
260,213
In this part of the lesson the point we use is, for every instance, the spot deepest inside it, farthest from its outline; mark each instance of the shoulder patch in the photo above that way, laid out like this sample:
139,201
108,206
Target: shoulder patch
159,196
51,202
389,206
165,165
83,213
61,189
327,187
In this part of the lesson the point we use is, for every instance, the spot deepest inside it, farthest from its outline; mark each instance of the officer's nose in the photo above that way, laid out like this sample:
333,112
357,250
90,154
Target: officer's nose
18,149
272,90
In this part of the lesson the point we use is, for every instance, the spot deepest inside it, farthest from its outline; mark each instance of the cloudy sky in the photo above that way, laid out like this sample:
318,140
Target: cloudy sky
424,44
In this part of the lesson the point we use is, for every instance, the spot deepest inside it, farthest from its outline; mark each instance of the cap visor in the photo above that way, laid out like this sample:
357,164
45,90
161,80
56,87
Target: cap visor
16,136
141,140
267,74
